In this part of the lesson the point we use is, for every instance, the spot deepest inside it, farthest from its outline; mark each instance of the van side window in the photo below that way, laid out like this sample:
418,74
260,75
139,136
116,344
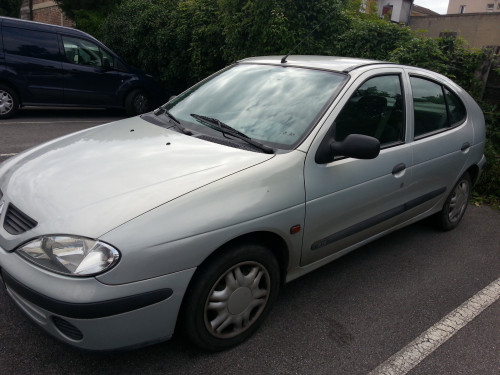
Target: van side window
31,43
435,108
375,109
82,52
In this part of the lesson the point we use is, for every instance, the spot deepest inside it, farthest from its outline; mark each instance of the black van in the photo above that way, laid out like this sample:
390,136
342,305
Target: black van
47,65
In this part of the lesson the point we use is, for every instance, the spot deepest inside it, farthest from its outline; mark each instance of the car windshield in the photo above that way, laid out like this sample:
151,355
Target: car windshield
271,104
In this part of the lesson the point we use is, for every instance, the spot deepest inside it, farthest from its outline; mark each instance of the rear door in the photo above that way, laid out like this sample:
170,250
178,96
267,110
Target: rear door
442,135
34,61
349,200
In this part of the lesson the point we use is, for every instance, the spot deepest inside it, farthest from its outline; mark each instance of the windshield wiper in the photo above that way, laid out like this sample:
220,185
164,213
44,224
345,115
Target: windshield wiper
229,130
176,122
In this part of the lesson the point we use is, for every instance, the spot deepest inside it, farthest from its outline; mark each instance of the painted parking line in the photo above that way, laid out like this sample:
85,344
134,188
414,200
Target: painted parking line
7,154
52,122
416,351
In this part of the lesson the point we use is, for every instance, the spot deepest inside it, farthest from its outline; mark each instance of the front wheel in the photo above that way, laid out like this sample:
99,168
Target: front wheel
137,102
9,103
230,297
455,205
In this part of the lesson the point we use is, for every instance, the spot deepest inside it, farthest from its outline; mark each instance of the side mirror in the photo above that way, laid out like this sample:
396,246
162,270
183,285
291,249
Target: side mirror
106,64
356,146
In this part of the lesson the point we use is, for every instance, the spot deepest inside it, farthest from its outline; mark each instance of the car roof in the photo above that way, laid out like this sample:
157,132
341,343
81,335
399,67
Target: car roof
41,26
341,64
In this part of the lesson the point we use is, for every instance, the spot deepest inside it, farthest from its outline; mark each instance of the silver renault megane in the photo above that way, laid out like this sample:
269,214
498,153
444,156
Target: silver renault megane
191,217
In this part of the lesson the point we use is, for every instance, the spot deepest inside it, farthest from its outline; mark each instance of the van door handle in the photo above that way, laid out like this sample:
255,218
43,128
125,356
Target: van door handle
465,146
398,168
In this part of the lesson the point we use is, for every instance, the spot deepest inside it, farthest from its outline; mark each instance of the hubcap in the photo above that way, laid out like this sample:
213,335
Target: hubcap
458,202
6,102
141,103
237,299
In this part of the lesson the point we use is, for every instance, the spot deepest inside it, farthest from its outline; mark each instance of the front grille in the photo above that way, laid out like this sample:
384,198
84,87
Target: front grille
67,329
17,222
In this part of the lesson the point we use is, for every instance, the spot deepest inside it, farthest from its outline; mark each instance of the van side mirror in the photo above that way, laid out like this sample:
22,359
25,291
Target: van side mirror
105,63
356,146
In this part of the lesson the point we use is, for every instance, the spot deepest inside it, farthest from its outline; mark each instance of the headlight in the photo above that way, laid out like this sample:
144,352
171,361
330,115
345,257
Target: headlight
73,256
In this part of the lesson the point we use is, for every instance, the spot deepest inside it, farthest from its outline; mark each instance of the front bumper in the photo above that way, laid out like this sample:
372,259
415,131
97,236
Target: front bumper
87,314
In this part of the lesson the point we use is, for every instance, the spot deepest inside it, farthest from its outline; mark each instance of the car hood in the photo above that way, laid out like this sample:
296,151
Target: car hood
91,182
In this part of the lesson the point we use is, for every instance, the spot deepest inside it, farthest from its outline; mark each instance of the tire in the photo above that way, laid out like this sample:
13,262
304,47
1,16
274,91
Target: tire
456,204
9,102
137,102
230,297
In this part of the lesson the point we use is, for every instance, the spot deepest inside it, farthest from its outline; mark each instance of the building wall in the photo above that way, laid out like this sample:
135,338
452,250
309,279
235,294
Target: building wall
473,6
46,11
478,30
400,9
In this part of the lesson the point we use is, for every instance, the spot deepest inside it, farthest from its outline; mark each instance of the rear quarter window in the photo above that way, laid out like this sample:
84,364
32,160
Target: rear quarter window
30,43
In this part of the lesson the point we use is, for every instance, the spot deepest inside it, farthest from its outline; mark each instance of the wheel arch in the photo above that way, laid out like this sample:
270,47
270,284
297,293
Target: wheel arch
14,88
473,172
272,241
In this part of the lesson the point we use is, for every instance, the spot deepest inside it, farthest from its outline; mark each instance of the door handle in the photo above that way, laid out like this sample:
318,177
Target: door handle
398,168
465,146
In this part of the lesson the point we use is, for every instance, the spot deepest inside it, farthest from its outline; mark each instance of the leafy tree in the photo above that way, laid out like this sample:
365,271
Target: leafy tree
372,38
446,55
88,14
145,33
10,8
182,41
254,27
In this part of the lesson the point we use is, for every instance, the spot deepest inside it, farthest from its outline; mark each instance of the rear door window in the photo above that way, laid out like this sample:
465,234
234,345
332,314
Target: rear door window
435,108
30,43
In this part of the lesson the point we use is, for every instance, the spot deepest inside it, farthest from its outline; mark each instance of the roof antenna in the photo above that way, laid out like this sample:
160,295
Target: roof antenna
283,60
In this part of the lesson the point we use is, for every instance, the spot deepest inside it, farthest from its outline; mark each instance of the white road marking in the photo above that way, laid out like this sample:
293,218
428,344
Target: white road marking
416,351
7,154
52,122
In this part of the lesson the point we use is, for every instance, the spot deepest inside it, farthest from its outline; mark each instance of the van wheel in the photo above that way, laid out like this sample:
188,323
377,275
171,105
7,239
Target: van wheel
230,297
9,103
455,205
136,103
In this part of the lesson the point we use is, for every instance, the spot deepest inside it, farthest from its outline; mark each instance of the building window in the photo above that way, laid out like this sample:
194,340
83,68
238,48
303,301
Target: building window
387,12
462,9
489,7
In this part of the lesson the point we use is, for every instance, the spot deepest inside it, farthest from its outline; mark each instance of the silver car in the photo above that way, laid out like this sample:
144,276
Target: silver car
191,218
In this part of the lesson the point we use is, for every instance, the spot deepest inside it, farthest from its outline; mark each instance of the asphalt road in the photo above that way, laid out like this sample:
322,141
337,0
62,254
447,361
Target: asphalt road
348,317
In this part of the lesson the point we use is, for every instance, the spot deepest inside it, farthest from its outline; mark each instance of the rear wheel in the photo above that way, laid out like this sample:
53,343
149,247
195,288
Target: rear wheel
9,103
137,102
456,204
230,297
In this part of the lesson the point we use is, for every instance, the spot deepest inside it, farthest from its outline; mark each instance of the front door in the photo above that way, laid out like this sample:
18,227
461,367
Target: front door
350,200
